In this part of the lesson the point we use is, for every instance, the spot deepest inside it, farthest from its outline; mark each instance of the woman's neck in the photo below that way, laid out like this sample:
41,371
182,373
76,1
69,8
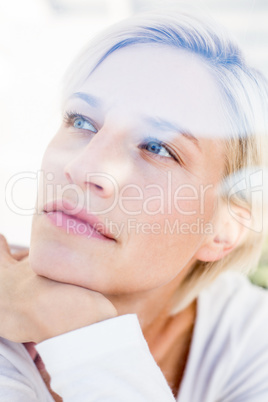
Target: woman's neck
162,334
159,328
169,342
168,337
151,306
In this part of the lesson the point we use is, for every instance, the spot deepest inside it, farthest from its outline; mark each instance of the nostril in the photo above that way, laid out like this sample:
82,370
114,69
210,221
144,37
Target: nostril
94,186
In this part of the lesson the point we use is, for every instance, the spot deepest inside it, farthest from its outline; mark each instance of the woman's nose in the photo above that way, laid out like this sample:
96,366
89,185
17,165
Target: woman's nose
100,167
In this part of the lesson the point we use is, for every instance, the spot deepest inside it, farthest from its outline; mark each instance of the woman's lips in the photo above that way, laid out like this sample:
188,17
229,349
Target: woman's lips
62,214
74,225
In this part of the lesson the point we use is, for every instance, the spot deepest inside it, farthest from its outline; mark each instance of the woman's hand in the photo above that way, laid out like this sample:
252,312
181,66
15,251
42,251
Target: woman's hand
34,308
19,252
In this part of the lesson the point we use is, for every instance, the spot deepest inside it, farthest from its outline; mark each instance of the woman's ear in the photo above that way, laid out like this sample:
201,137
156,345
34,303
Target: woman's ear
228,234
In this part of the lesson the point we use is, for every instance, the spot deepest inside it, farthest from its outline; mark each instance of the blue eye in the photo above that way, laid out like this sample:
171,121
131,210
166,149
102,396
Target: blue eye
80,122
157,148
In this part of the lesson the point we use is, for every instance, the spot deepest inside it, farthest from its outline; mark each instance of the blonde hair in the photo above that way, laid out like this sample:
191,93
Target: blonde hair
244,91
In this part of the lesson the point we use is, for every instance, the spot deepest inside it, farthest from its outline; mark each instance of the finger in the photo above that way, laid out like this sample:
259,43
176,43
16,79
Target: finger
19,255
5,253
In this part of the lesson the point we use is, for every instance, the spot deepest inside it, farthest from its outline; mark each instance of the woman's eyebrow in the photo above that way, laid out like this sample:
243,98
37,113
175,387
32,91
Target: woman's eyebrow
90,99
164,125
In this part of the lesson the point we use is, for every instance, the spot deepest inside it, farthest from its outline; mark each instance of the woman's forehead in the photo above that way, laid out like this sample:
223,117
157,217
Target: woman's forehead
160,82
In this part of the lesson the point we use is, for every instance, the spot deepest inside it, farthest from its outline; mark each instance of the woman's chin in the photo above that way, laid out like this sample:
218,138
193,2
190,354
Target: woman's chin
62,263
49,260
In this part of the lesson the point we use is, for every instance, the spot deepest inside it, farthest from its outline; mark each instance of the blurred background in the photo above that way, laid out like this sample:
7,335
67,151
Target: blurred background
38,39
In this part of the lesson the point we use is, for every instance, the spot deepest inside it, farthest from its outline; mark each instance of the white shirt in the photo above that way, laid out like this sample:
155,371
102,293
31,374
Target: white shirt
111,361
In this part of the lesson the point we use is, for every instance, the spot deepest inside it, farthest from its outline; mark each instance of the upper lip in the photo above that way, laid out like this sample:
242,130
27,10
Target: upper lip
70,209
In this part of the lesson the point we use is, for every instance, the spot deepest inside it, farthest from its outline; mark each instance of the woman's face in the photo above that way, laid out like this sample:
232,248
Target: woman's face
137,150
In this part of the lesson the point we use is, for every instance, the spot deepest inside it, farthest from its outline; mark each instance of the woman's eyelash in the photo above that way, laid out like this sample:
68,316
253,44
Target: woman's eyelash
69,118
151,142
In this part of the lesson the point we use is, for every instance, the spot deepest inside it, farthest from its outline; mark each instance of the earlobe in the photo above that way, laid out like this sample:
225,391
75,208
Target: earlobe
229,233
214,250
